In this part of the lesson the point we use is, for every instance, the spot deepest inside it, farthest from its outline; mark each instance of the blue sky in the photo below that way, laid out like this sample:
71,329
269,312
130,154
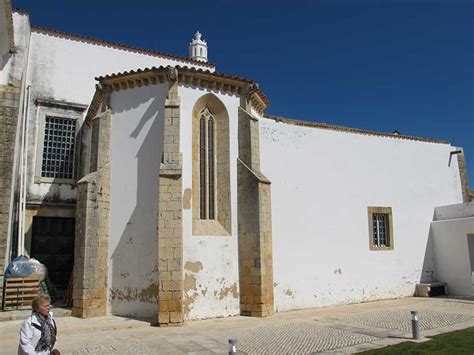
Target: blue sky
405,65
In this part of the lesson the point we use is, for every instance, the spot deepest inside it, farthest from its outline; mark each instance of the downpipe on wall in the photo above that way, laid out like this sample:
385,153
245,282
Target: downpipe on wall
23,172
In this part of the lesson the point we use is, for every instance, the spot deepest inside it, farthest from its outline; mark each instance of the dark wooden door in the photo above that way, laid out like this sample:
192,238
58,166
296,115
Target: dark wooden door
52,243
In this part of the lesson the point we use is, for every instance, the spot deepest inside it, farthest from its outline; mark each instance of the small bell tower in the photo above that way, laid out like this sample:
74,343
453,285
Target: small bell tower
198,48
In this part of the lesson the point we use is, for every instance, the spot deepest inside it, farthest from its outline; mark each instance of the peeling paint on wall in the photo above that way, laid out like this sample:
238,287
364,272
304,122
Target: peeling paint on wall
189,282
282,136
187,199
148,294
190,291
226,290
193,266
289,293
190,285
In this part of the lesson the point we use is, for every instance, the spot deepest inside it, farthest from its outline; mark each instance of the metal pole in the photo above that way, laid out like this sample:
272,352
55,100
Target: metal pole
415,325
233,346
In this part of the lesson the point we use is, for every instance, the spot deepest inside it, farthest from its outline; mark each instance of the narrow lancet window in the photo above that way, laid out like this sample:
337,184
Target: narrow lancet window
207,184
202,167
210,151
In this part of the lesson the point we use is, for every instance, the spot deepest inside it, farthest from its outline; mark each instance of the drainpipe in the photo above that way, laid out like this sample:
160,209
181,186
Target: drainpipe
25,171
20,200
23,163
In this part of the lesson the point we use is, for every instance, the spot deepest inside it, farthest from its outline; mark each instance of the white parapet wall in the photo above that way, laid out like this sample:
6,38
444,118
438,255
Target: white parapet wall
452,232
323,181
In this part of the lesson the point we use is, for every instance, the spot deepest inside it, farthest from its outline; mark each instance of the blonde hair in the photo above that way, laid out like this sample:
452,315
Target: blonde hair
41,298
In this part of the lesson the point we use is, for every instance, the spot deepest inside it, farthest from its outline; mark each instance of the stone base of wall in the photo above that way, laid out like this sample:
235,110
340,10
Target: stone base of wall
9,105
91,247
170,251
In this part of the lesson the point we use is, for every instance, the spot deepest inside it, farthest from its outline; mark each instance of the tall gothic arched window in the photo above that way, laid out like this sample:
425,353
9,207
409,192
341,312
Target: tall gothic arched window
207,188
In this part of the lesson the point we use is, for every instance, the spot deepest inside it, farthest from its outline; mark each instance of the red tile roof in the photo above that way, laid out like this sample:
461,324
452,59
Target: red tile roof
187,70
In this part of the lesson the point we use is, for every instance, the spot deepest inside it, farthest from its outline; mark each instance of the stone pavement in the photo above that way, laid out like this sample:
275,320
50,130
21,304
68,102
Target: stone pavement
338,329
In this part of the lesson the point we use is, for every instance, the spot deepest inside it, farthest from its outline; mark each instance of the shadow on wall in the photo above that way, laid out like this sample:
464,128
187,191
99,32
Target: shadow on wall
134,280
428,270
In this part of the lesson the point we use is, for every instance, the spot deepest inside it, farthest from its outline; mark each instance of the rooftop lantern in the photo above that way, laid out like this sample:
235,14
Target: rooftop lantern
198,48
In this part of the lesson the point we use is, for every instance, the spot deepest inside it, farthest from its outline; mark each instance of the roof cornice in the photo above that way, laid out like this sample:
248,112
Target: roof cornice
351,130
187,76
106,43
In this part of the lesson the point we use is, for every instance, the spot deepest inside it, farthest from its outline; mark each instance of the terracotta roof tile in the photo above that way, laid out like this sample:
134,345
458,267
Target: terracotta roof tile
185,69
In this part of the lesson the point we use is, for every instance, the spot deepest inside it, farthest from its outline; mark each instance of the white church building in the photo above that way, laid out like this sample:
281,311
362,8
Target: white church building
159,188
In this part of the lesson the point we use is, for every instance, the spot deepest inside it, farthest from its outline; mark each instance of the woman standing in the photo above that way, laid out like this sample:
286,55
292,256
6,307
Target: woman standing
38,333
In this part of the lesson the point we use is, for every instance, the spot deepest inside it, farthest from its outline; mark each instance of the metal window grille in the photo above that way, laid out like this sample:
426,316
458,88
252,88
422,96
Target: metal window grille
58,148
380,227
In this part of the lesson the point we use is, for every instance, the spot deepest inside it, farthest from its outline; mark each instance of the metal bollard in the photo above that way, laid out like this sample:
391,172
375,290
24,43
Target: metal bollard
233,346
415,325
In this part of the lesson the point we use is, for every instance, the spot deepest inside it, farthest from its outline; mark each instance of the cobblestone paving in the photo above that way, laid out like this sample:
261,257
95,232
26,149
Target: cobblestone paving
293,338
116,348
452,305
401,319
342,329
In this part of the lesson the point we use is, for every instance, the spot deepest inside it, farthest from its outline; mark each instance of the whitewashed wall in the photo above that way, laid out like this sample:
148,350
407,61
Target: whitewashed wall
64,69
452,250
136,150
322,183
13,65
210,263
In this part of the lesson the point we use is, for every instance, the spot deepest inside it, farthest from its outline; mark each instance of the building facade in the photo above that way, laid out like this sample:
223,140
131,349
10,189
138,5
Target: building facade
160,189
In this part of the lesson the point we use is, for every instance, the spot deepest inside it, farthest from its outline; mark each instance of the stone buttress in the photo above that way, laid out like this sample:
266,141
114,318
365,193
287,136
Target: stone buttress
92,226
254,215
170,224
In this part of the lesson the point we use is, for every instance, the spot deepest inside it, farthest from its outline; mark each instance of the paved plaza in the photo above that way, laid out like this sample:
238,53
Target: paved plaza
338,329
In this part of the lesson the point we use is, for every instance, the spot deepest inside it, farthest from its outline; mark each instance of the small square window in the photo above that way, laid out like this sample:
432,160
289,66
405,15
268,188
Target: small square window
59,164
380,228
55,150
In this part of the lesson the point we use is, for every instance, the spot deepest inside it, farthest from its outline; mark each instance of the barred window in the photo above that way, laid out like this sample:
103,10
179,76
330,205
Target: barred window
207,186
381,231
58,147
379,223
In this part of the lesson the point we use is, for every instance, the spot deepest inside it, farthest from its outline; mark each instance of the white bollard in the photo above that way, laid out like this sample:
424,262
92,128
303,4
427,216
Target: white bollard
415,325
233,346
